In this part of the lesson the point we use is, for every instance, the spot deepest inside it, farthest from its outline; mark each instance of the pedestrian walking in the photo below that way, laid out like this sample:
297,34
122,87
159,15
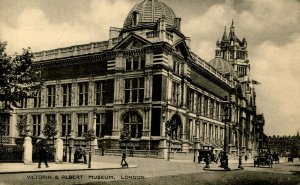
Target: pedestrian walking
123,161
43,156
131,153
246,158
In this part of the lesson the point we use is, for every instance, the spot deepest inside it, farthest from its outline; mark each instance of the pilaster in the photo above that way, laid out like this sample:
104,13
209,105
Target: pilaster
91,91
74,93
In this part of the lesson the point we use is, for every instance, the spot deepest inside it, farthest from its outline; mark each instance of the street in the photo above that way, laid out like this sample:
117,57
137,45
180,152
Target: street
158,171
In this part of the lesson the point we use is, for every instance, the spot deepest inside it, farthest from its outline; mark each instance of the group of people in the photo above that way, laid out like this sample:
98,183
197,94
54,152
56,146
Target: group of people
78,155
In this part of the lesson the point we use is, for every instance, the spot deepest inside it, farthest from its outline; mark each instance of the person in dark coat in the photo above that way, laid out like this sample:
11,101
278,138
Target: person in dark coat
123,161
43,156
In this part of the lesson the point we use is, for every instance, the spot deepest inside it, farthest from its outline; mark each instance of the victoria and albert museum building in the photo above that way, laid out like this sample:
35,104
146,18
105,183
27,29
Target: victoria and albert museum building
145,77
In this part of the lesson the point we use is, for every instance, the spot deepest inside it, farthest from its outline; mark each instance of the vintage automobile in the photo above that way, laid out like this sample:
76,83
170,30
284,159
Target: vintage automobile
204,152
263,160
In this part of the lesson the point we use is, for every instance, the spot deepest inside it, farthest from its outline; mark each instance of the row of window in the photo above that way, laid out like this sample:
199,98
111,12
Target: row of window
132,121
134,93
65,125
197,103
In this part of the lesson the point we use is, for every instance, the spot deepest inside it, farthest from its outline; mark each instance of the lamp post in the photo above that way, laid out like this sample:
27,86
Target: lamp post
194,138
226,108
70,148
239,145
66,148
169,132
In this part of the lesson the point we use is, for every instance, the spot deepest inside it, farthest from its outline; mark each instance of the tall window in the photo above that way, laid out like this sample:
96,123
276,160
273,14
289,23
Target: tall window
210,131
24,103
134,123
135,62
221,133
50,117
204,125
217,111
82,125
51,95
231,54
176,67
205,106
37,100
65,124
211,108
242,70
191,100
67,94
36,125
83,93
175,93
100,92
100,125
216,133
4,125
199,103
134,90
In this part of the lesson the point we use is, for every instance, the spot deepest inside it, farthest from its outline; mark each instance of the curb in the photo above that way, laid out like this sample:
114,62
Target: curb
222,169
58,170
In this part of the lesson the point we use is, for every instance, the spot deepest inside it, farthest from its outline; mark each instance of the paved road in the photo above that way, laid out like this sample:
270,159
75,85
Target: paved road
147,169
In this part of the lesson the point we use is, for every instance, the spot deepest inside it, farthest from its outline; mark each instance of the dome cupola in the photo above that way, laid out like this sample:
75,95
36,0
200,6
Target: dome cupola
150,11
223,66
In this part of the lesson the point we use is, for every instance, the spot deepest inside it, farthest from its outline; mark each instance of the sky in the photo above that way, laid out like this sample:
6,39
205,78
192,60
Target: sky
271,27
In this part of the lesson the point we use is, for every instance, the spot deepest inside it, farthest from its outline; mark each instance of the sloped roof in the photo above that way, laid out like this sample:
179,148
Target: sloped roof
222,66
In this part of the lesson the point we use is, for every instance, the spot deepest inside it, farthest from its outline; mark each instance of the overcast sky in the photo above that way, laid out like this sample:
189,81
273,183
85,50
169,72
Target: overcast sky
271,27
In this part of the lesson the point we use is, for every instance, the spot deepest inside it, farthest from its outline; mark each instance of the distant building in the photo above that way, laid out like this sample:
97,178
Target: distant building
285,145
143,77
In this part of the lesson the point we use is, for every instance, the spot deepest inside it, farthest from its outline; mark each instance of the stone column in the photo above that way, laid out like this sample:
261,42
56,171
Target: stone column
58,94
117,124
91,91
93,119
27,150
74,93
43,123
59,147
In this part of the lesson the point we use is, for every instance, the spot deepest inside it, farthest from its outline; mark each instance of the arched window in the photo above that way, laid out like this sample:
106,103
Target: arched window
175,126
134,123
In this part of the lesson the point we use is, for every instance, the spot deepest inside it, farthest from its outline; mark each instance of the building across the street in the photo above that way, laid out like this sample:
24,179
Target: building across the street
146,77
285,145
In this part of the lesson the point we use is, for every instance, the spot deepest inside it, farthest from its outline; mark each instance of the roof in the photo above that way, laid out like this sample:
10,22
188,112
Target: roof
222,66
150,11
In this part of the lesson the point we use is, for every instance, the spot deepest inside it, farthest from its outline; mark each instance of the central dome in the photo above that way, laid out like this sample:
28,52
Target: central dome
223,66
150,11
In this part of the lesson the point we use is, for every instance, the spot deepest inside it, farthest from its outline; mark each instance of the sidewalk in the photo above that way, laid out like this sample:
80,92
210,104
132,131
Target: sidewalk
6,168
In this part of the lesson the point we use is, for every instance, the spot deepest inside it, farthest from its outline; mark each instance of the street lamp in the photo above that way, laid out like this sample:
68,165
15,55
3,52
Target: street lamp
70,148
194,139
66,147
239,145
226,107
169,133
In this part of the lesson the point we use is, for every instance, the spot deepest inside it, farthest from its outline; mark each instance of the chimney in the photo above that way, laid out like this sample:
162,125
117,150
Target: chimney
188,41
177,23
114,32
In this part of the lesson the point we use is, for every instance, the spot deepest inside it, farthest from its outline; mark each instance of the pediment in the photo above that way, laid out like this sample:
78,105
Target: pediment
182,48
132,41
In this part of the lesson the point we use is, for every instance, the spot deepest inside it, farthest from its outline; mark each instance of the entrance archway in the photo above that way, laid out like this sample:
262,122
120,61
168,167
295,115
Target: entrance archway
176,125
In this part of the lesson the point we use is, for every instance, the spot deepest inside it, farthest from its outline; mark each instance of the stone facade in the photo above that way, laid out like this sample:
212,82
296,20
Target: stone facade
144,76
